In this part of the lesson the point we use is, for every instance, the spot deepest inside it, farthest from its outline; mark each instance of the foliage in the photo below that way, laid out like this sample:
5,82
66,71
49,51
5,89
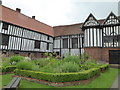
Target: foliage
15,59
70,67
49,55
41,62
84,57
88,64
7,69
24,65
59,77
52,67
108,78
104,67
69,58
35,67
27,59
5,62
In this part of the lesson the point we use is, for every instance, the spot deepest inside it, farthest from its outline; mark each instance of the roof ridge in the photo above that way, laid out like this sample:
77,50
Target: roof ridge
26,16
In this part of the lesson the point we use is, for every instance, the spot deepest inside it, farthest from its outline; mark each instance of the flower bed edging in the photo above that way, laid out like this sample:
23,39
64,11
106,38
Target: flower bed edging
60,84
59,77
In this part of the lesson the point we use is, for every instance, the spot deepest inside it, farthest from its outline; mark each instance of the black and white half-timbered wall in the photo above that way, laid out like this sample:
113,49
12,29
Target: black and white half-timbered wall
102,39
69,44
19,40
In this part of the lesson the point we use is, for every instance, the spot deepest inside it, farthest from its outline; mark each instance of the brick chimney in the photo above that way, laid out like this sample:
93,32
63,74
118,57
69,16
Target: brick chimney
33,17
18,10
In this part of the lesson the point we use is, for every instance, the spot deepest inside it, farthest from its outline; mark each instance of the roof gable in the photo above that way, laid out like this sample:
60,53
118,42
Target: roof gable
111,19
91,21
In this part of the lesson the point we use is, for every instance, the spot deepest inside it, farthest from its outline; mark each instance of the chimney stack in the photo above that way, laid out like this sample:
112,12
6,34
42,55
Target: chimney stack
33,17
18,10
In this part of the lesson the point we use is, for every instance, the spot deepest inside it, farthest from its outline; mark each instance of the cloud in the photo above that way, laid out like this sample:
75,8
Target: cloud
60,12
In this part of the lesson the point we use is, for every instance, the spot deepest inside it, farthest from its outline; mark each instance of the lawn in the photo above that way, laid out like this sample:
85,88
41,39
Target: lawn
105,80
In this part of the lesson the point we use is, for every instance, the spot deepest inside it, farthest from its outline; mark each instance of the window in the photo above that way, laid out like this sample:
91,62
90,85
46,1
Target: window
82,42
74,42
108,39
5,26
48,38
37,44
118,38
5,39
47,46
65,43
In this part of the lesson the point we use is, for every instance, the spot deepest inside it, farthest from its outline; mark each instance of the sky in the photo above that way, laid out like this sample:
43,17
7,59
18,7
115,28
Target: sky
63,12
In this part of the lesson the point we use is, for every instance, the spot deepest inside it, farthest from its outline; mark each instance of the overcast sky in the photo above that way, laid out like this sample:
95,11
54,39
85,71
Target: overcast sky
64,12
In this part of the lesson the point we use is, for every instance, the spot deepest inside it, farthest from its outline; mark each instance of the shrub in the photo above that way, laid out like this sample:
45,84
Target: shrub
70,67
52,67
88,64
16,59
35,67
70,58
5,62
27,59
7,69
104,67
47,68
25,65
41,62
59,77
84,57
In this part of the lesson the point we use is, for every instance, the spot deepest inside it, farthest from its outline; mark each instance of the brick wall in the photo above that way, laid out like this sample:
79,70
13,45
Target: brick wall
99,53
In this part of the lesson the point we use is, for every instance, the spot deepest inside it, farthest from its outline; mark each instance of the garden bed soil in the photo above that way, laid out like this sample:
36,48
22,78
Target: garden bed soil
60,84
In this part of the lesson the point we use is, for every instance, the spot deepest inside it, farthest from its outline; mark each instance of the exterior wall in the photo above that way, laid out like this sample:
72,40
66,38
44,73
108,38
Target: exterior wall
32,55
101,54
58,45
23,40
105,53
94,53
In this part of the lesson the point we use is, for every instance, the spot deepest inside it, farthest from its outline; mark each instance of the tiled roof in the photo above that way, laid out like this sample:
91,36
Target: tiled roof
14,17
68,30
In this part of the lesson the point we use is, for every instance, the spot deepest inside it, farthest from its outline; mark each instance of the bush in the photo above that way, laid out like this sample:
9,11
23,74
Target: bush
7,69
89,64
59,77
70,67
5,62
52,67
104,67
25,65
69,58
41,62
15,59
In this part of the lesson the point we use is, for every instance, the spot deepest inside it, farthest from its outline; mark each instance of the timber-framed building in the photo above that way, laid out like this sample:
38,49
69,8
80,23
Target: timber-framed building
23,35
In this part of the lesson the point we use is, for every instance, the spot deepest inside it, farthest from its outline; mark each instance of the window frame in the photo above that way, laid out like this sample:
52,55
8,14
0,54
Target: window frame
74,43
37,44
65,43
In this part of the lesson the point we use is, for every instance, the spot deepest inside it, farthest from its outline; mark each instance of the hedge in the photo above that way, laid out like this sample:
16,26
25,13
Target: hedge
7,69
59,77
104,67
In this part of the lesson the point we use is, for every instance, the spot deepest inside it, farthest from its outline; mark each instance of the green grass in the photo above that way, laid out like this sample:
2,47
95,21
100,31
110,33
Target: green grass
105,80
5,79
